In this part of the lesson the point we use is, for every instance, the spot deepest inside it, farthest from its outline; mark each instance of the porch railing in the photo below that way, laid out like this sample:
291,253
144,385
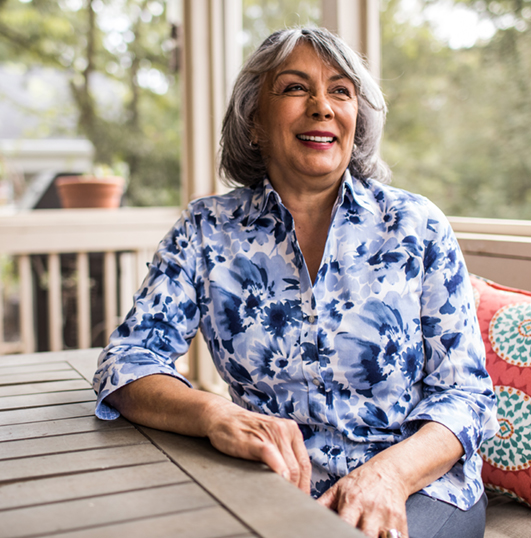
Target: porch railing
126,239
496,249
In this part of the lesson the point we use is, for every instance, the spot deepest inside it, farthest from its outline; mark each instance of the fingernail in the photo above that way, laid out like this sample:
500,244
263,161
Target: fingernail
285,475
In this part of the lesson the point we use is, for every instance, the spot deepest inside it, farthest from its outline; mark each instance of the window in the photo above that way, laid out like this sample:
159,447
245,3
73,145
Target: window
457,79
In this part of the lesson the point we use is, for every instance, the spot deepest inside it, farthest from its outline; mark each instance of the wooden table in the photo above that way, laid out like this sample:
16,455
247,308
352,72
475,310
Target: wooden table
65,473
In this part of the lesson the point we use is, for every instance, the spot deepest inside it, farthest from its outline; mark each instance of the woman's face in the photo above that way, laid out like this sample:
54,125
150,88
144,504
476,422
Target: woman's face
306,121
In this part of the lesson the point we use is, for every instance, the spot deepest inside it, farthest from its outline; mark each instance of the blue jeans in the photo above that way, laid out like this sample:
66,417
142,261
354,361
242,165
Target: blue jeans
430,518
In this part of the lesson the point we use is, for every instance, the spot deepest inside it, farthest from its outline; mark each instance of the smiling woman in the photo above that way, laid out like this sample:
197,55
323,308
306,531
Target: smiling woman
243,162
337,309
305,126
305,123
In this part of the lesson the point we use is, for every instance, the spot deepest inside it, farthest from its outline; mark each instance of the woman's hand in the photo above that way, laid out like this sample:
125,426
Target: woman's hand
371,498
274,441
165,403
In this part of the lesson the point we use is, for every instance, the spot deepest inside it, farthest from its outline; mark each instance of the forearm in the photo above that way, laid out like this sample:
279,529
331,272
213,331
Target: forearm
422,458
165,403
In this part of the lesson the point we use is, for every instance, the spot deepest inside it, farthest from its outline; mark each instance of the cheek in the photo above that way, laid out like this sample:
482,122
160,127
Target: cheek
349,115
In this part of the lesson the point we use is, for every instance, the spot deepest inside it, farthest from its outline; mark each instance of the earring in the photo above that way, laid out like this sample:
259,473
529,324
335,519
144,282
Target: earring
253,144
354,147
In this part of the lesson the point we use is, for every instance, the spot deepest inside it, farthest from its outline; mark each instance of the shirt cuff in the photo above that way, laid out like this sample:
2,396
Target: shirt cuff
112,379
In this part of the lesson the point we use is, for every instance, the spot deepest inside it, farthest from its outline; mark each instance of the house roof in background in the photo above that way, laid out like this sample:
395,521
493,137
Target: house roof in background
32,156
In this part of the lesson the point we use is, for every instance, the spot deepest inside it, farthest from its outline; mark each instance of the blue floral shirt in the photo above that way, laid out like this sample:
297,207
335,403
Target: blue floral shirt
385,338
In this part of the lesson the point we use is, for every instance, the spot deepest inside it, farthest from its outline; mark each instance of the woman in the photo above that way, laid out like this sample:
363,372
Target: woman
337,309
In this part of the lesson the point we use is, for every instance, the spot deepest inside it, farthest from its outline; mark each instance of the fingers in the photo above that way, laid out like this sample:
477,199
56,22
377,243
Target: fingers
352,514
329,498
283,450
276,442
377,522
374,519
367,505
303,460
350,503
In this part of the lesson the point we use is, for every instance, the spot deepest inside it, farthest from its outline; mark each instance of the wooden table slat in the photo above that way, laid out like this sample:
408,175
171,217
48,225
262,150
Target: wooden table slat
33,368
49,398
52,412
70,515
211,522
44,387
46,357
75,462
31,358
36,377
84,485
85,362
252,491
57,427
68,443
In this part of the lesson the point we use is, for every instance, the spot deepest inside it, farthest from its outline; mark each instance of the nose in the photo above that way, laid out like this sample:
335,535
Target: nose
319,107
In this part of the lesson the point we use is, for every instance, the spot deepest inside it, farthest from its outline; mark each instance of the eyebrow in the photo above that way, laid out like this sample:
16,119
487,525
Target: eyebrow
305,76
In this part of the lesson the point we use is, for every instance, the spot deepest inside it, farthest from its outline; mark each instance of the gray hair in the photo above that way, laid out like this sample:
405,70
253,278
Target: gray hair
242,163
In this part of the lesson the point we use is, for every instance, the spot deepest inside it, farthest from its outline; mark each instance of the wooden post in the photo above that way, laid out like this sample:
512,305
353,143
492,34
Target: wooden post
110,292
127,282
55,307
27,332
84,339
212,59
358,23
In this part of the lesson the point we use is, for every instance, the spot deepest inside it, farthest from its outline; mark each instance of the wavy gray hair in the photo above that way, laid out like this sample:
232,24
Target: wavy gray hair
243,164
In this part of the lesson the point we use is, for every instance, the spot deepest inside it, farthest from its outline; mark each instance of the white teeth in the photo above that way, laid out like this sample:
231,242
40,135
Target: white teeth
324,139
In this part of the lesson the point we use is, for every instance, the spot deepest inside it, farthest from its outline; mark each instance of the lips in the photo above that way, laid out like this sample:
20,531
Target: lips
319,137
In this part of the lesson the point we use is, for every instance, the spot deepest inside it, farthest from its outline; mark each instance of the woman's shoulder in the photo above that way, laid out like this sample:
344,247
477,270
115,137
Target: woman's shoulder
222,203
217,209
386,196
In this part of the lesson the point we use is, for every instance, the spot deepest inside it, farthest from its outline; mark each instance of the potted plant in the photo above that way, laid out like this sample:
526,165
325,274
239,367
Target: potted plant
104,188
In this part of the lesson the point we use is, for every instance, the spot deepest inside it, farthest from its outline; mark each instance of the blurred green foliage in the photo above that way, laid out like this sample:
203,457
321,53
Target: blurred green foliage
121,47
458,124
262,17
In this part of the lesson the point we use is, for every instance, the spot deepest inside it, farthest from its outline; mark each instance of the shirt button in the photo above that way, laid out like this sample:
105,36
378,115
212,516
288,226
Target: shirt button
311,318
316,382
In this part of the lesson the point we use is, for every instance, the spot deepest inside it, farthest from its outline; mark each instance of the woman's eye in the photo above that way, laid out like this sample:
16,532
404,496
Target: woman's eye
295,88
342,91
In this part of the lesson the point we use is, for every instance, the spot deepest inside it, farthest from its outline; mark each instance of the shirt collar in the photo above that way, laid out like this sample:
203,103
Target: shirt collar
260,200
355,191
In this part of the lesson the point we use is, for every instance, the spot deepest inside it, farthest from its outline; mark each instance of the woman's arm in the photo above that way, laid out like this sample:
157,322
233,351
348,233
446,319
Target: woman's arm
373,496
165,403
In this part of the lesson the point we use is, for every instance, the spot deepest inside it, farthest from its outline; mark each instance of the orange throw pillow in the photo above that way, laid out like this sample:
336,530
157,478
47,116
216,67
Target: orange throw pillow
505,320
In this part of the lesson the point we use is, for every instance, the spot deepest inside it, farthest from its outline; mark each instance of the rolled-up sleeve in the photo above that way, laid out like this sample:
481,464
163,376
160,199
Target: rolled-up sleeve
158,329
457,388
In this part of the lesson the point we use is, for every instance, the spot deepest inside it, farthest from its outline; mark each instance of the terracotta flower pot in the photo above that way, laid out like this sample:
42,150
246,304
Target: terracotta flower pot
88,191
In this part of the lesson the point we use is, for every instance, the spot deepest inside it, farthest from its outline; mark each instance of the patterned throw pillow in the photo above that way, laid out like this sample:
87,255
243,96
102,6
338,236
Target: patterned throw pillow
505,319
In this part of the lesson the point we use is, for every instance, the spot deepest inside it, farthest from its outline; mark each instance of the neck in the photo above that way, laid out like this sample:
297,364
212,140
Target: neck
308,201
311,210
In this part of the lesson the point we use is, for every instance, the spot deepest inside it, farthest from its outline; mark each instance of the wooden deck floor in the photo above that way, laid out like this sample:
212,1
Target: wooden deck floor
65,473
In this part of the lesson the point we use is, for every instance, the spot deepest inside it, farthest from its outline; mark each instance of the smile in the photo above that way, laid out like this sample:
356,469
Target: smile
320,139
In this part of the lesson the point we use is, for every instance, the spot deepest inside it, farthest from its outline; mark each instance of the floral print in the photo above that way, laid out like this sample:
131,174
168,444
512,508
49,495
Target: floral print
385,338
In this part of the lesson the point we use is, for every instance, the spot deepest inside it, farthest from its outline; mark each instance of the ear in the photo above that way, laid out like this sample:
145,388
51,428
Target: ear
255,129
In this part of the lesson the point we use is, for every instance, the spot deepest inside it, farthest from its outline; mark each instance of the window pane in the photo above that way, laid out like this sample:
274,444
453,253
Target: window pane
102,71
262,17
457,78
